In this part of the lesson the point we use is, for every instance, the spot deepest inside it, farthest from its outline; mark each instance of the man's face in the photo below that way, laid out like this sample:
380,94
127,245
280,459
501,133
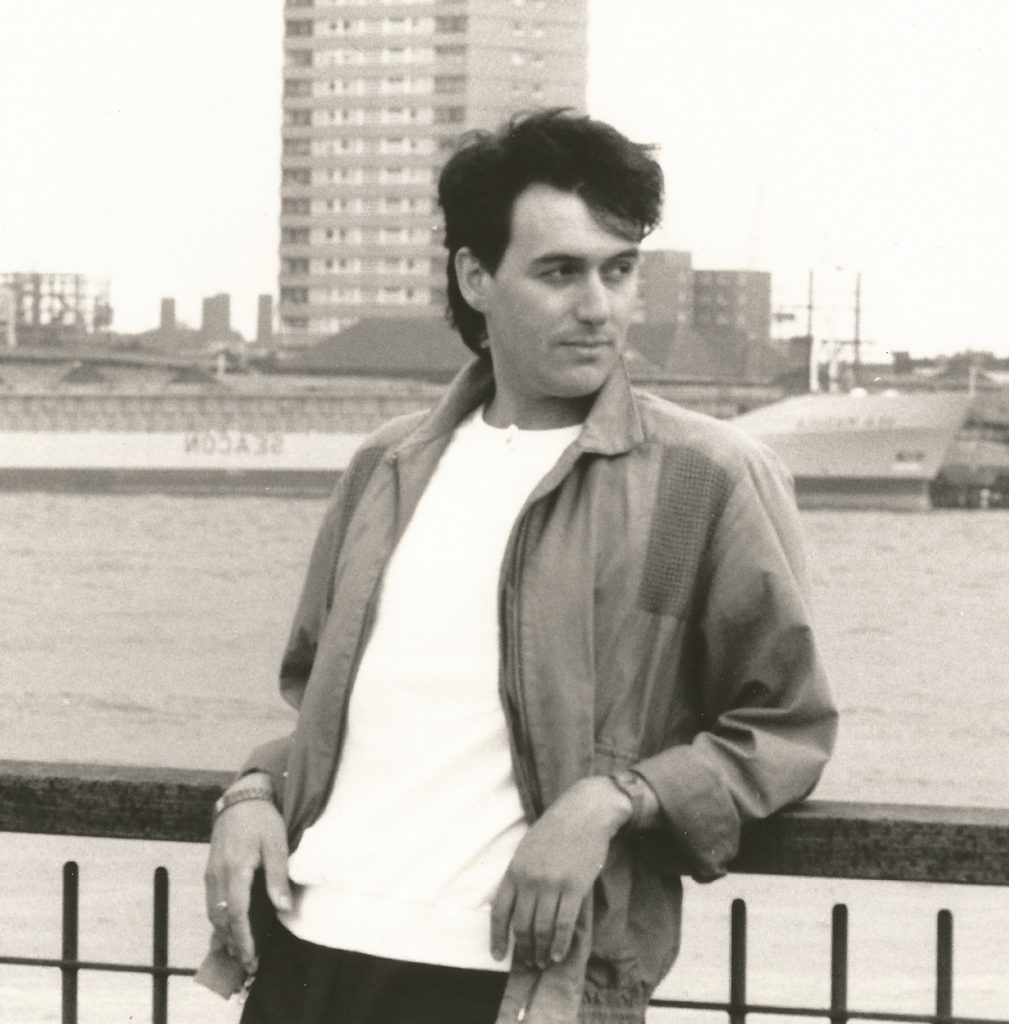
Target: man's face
558,307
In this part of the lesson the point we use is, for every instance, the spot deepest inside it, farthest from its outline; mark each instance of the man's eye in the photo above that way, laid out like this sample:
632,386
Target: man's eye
619,271
560,272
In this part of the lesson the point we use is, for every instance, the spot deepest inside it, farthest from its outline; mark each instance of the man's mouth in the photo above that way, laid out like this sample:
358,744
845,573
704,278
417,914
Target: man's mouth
586,343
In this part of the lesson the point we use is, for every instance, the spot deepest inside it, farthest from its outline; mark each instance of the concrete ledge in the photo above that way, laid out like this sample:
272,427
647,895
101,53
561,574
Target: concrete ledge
827,839
118,801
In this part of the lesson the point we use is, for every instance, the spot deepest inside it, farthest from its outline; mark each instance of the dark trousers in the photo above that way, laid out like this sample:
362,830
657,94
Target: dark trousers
301,983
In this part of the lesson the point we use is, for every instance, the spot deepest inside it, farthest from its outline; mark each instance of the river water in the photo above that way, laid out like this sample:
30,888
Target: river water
147,629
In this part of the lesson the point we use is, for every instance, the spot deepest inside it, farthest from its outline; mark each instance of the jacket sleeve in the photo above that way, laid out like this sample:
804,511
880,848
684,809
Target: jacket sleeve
767,720
313,607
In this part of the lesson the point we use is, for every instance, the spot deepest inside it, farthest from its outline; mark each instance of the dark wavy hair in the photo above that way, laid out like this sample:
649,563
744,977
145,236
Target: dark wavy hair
477,189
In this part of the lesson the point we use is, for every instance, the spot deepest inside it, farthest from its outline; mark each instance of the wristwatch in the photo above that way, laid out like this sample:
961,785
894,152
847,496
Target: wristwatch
237,794
640,794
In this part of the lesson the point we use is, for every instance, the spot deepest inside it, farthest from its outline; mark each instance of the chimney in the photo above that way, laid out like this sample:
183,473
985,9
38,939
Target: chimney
216,323
168,314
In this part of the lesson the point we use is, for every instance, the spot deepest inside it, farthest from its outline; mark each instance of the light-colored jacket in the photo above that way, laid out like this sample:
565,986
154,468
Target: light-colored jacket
654,613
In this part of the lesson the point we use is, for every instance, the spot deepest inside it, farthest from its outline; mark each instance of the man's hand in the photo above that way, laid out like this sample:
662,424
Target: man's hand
246,836
553,871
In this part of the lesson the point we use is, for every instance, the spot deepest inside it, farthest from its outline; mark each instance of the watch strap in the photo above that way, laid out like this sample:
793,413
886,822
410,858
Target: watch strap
640,794
238,794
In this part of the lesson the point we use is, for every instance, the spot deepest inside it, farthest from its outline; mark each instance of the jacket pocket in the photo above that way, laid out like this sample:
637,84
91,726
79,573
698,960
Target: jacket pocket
613,962
636,930
655,914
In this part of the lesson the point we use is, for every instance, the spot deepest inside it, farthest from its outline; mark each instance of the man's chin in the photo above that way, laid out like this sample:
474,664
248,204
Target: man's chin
583,380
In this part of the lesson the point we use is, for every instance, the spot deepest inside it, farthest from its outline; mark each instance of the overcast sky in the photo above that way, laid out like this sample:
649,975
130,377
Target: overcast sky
140,143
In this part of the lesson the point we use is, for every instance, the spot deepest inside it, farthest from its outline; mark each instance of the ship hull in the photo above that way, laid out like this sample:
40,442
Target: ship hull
863,493
193,461
881,451
265,482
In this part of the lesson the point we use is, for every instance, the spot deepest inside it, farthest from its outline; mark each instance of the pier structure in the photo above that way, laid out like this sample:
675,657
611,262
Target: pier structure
817,839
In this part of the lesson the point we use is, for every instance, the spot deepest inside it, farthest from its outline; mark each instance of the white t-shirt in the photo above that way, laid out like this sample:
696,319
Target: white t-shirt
424,816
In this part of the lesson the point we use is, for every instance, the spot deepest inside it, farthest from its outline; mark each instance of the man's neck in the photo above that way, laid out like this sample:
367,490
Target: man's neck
537,416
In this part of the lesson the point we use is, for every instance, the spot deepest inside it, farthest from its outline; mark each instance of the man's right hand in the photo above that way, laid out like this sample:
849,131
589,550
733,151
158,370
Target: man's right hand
247,835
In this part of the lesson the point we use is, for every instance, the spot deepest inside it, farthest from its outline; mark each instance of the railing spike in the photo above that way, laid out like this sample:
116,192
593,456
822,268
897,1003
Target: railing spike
839,964
737,963
159,976
944,964
71,952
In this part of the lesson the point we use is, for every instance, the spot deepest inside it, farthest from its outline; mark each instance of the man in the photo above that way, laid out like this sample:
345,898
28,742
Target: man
553,648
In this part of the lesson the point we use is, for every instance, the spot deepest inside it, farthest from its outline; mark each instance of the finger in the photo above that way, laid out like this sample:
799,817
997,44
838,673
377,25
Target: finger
564,926
500,919
240,931
523,917
213,894
217,912
543,927
275,869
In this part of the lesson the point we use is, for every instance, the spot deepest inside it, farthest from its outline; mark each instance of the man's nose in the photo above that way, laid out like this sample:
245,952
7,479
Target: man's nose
593,301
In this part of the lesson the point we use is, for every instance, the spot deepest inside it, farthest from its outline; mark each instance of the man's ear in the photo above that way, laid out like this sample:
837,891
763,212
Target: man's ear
473,278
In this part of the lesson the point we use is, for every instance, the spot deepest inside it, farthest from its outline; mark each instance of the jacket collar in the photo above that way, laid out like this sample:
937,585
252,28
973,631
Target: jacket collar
612,427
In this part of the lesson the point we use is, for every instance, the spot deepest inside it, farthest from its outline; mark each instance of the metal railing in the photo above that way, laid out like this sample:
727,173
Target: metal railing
838,1012
893,842
70,964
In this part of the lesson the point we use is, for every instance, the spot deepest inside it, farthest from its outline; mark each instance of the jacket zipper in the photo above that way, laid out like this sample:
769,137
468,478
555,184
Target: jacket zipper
527,1003
526,774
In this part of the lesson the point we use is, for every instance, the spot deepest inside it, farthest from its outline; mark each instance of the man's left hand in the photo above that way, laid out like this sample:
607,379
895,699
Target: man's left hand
553,871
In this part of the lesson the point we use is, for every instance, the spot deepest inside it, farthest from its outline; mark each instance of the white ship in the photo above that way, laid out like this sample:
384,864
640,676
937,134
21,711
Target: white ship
910,450
171,427
129,423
